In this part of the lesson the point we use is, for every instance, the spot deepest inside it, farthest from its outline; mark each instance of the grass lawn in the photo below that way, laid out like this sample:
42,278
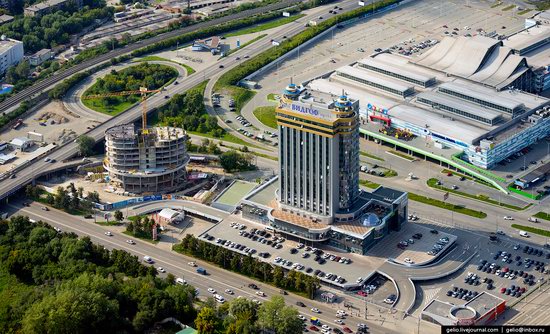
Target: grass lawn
141,238
543,215
266,115
255,39
113,110
369,184
271,97
539,231
372,156
402,155
227,137
447,206
264,26
480,197
109,223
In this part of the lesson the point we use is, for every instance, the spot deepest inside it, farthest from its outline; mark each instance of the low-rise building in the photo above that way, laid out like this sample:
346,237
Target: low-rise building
41,56
45,7
5,19
211,44
11,53
21,143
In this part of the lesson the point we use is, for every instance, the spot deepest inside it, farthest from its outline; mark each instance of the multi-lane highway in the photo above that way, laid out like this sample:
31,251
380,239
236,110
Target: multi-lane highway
218,279
38,167
48,82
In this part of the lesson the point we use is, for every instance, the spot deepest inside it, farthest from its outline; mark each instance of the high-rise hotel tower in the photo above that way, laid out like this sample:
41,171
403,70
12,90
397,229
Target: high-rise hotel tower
318,152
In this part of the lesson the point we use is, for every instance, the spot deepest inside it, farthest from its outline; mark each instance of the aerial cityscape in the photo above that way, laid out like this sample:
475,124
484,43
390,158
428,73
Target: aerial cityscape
274,166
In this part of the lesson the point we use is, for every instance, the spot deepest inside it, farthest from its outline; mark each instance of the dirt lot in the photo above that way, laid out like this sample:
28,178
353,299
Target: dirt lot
59,125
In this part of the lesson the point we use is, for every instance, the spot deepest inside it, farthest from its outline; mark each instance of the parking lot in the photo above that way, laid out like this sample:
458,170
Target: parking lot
331,265
506,269
378,290
413,245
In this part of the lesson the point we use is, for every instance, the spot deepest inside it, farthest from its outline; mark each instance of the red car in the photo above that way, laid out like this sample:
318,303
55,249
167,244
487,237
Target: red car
362,293
505,269
347,330
313,328
522,290
449,174
502,290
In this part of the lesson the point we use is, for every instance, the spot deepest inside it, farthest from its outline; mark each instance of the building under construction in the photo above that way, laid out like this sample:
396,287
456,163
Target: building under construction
146,161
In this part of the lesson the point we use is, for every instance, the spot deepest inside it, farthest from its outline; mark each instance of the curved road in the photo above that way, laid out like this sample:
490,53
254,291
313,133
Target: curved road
39,167
74,104
42,85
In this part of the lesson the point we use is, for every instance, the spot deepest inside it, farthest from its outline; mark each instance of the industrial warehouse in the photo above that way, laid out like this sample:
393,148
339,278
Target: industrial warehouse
479,110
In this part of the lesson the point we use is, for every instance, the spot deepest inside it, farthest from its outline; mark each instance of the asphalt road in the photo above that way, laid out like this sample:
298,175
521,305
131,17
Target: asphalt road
40,86
35,169
175,263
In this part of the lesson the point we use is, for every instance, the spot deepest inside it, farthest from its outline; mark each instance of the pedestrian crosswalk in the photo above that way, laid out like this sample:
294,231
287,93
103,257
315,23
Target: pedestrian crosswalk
430,294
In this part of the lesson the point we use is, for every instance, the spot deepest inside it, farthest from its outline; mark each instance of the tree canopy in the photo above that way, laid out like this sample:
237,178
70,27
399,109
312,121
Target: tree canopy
234,161
58,283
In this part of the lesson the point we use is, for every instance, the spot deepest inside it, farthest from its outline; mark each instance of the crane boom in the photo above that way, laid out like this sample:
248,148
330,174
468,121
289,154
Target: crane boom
143,91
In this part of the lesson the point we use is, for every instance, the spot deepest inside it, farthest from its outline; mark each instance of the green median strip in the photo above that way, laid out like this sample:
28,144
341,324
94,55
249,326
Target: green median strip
534,230
401,155
265,26
510,7
255,39
226,137
432,201
543,215
109,223
372,156
447,206
480,197
525,11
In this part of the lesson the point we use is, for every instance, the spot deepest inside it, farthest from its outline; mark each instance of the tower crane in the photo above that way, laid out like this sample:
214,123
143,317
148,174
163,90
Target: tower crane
143,91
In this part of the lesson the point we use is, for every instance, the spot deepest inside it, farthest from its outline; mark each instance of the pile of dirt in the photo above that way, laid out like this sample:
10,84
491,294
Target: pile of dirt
51,117
65,136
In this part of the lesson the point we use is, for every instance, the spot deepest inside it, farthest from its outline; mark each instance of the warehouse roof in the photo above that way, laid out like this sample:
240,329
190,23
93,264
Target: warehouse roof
436,123
375,78
528,37
460,105
485,95
396,69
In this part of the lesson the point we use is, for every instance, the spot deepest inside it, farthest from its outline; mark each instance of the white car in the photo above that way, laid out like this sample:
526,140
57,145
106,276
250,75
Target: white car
315,310
131,242
260,293
524,234
408,260
508,218
57,229
109,234
192,264
359,280
326,327
161,270
301,317
229,291
341,312
339,322
212,291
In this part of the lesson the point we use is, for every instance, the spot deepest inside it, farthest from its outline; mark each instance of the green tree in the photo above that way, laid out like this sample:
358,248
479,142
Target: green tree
274,315
72,312
85,145
118,216
206,321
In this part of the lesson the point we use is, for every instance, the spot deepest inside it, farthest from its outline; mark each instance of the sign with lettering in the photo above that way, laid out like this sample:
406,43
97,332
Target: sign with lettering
304,110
